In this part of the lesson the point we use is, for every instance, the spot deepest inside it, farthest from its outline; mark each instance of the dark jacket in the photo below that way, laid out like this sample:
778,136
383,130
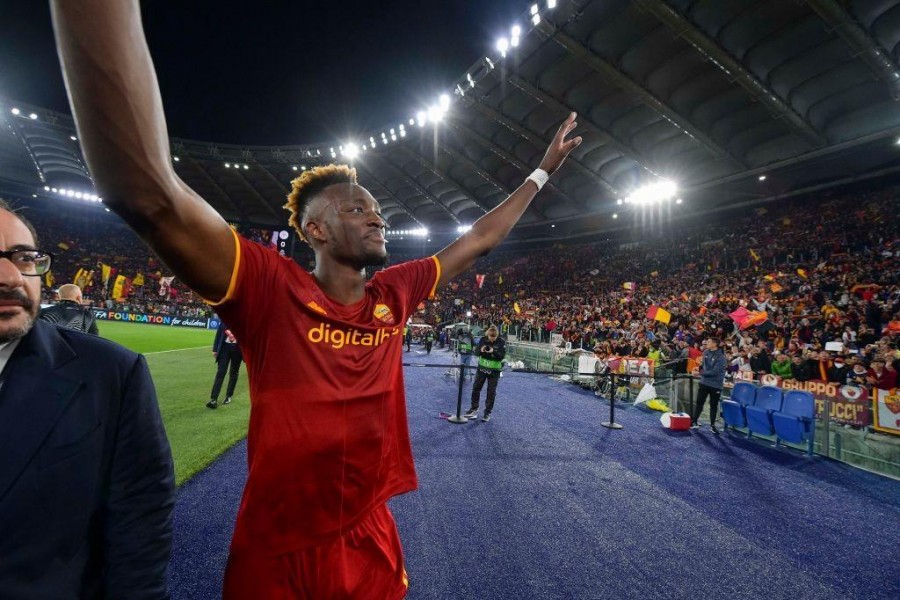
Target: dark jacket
86,479
491,354
69,313
712,368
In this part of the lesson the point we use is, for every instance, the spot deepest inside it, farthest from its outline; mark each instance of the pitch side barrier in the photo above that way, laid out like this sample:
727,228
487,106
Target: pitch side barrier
102,314
617,380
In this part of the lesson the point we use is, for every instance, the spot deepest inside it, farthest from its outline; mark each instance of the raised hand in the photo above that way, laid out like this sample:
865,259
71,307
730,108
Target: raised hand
560,147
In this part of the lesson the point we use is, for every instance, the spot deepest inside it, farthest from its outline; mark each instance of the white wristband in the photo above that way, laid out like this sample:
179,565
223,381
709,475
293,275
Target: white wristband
539,177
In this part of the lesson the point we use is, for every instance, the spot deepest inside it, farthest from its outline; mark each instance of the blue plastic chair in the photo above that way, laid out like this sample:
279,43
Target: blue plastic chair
734,408
759,416
795,422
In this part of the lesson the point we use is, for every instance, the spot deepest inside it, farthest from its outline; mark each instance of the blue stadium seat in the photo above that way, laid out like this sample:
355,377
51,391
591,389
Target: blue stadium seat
734,409
795,422
759,416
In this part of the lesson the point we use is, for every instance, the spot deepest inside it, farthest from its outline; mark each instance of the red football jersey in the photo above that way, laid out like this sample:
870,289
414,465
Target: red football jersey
328,438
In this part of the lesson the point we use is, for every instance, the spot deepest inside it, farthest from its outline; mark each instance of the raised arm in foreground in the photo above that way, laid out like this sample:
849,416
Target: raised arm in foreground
119,115
492,228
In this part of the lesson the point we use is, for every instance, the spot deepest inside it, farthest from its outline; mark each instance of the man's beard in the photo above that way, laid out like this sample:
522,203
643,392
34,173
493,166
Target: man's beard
31,311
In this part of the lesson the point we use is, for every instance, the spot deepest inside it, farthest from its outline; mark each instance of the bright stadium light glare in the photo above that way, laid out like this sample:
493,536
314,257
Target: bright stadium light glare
393,131
619,201
503,46
678,201
393,137
435,114
514,41
293,168
402,133
551,3
615,215
444,102
33,117
46,188
653,192
534,9
227,165
535,19
516,31
73,138
762,177
176,159
54,190
412,122
15,111
463,228
246,167
421,116
351,151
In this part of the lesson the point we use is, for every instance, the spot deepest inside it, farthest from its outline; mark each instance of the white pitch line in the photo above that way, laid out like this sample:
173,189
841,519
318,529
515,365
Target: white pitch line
176,350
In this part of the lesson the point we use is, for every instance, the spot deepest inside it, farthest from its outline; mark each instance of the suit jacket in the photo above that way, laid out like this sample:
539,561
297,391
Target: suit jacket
86,475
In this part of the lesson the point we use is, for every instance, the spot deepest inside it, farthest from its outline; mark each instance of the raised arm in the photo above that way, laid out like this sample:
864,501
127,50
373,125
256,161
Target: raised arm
492,228
119,115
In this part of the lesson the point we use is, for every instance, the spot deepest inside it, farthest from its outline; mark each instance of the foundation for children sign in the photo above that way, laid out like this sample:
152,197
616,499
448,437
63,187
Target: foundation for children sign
849,404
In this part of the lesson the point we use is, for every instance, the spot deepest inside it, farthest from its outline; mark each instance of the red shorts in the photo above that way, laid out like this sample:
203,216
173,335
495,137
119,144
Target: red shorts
366,563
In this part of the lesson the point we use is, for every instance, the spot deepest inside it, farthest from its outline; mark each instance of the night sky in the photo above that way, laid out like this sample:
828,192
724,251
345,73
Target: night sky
285,72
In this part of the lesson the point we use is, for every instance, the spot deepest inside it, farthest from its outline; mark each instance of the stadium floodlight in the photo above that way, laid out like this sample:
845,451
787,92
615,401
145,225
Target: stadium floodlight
536,19
615,215
302,167
653,192
412,122
393,137
534,9
54,190
227,165
762,177
384,141
33,117
421,116
551,3
372,139
619,201
15,111
503,46
435,114
392,131
445,102
402,133
294,168
73,138
402,126
246,167
351,151
516,31
514,41
678,201
463,228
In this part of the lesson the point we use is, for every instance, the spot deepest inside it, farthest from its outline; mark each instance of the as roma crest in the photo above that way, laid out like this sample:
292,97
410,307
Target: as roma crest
383,313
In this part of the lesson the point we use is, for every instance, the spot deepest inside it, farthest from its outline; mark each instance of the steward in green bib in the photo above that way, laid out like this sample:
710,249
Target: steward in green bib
491,351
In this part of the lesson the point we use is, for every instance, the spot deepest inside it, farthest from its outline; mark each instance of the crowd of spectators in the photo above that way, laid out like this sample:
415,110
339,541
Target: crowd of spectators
825,269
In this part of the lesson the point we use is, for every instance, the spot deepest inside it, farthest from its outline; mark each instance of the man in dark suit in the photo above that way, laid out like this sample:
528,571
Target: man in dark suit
86,476
228,357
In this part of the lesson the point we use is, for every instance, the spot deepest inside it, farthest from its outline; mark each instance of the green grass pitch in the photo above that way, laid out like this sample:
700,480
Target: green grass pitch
182,366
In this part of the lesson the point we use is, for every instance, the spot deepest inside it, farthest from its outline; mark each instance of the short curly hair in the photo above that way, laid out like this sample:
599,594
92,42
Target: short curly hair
307,186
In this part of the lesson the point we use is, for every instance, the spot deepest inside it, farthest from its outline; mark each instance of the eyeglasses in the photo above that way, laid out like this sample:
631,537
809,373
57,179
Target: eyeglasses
32,263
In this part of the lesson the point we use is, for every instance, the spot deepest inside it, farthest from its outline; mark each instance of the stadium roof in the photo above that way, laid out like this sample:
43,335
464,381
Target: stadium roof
735,100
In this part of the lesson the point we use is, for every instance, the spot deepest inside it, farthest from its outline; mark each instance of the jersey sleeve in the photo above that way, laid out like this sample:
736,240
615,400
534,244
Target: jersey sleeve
414,281
253,288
